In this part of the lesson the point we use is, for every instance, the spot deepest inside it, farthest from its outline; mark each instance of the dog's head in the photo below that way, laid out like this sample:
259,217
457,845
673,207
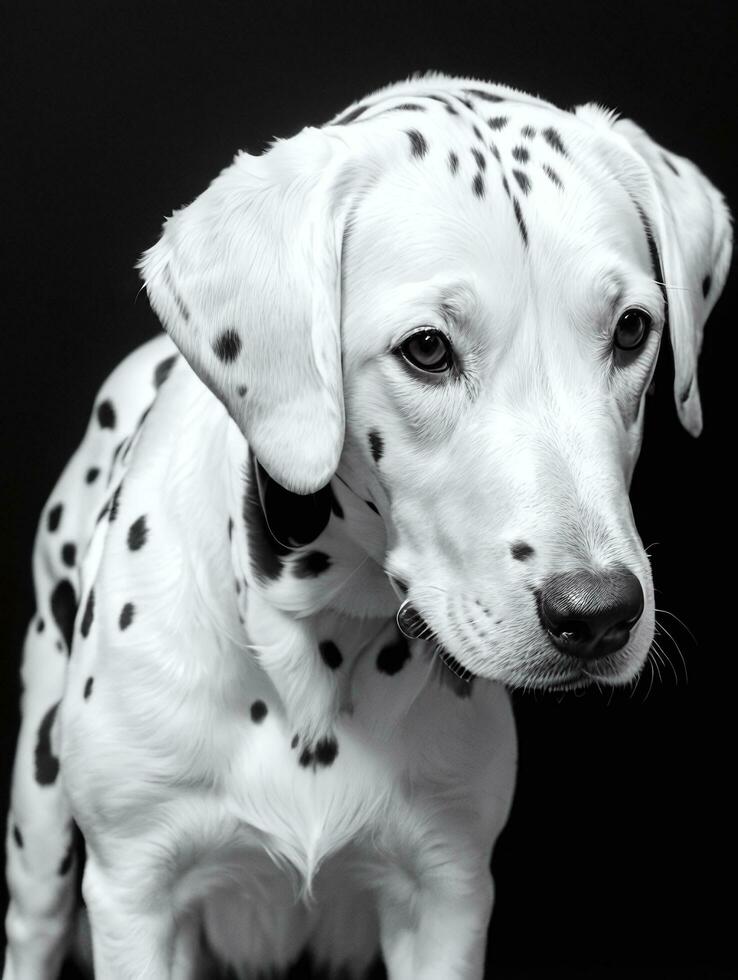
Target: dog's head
455,296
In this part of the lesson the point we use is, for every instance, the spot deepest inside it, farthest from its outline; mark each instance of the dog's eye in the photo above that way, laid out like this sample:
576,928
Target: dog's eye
632,329
428,350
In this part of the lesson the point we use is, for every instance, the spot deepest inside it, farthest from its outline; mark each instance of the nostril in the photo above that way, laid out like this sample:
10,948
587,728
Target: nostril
570,630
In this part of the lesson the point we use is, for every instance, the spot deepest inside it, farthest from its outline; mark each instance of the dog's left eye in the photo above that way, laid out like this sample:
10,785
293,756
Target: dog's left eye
427,350
632,329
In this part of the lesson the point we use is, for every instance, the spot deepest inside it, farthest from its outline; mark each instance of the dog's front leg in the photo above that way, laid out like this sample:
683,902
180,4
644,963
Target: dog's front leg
435,927
133,929
287,649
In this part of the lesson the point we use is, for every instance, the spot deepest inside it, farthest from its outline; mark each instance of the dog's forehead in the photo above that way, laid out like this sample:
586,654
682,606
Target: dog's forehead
476,178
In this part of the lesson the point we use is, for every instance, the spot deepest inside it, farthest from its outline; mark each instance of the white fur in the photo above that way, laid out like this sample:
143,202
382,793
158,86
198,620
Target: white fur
323,255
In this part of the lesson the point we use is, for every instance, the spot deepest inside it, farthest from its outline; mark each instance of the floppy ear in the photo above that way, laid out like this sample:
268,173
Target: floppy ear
694,239
691,224
246,280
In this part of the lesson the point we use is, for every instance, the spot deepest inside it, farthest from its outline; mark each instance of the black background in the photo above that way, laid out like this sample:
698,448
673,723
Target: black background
618,858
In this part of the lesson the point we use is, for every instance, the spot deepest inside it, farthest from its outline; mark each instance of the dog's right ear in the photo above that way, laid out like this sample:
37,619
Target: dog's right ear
246,280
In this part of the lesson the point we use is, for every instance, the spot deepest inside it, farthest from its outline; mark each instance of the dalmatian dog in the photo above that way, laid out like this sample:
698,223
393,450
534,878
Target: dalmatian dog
374,475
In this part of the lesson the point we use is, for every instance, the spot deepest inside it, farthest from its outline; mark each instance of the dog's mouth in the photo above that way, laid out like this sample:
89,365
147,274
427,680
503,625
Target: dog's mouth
554,676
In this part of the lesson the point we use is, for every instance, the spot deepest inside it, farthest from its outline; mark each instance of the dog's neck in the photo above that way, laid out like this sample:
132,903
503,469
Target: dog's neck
326,548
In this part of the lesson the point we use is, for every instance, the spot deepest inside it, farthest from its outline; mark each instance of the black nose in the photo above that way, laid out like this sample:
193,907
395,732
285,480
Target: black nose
590,614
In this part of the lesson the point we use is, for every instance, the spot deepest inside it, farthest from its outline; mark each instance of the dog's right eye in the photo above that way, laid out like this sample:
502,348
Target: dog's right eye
427,350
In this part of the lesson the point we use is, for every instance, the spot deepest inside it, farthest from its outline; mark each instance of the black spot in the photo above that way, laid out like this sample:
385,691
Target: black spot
138,532
258,711
331,654
311,564
92,474
480,158
684,396
68,858
506,186
520,220
292,520
17,836
376,443
521,551
656,266
295,740
163,369
418,144
349,116
552,175
116,453
143,418
453,162
335,505
523,180
495,151
554,140
47,764
59,646
64,609
528,131
106,414
230,528
481,94
478,185
477,134
40,625
69,554
498,122
326,750
242,391
126,616
88,687
103,512
54,517
265,550
115,503
227,346
706,283
407,107
520,154
89,614
392,657
238,587
669,164
371,506
445,102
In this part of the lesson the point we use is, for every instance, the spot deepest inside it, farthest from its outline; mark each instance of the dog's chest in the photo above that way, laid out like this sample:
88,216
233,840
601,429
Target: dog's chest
393,708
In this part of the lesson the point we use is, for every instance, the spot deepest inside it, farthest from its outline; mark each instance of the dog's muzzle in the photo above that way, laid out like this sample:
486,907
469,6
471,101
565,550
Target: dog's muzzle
589,614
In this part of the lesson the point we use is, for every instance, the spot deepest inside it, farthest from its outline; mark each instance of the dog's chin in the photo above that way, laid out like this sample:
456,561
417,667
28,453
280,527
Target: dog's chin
555,674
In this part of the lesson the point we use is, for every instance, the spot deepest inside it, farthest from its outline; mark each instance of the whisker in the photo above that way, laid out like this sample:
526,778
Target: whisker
680,621
661,627
667,660
657,661
649,661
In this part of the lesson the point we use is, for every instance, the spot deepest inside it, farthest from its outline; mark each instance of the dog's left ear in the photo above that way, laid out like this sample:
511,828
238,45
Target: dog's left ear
691,225
246,280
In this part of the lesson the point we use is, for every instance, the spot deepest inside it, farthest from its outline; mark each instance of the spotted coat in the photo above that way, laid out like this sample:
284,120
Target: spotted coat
220,696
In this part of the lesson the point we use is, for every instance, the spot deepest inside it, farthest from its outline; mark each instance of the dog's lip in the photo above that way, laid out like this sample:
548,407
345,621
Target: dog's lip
570,683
